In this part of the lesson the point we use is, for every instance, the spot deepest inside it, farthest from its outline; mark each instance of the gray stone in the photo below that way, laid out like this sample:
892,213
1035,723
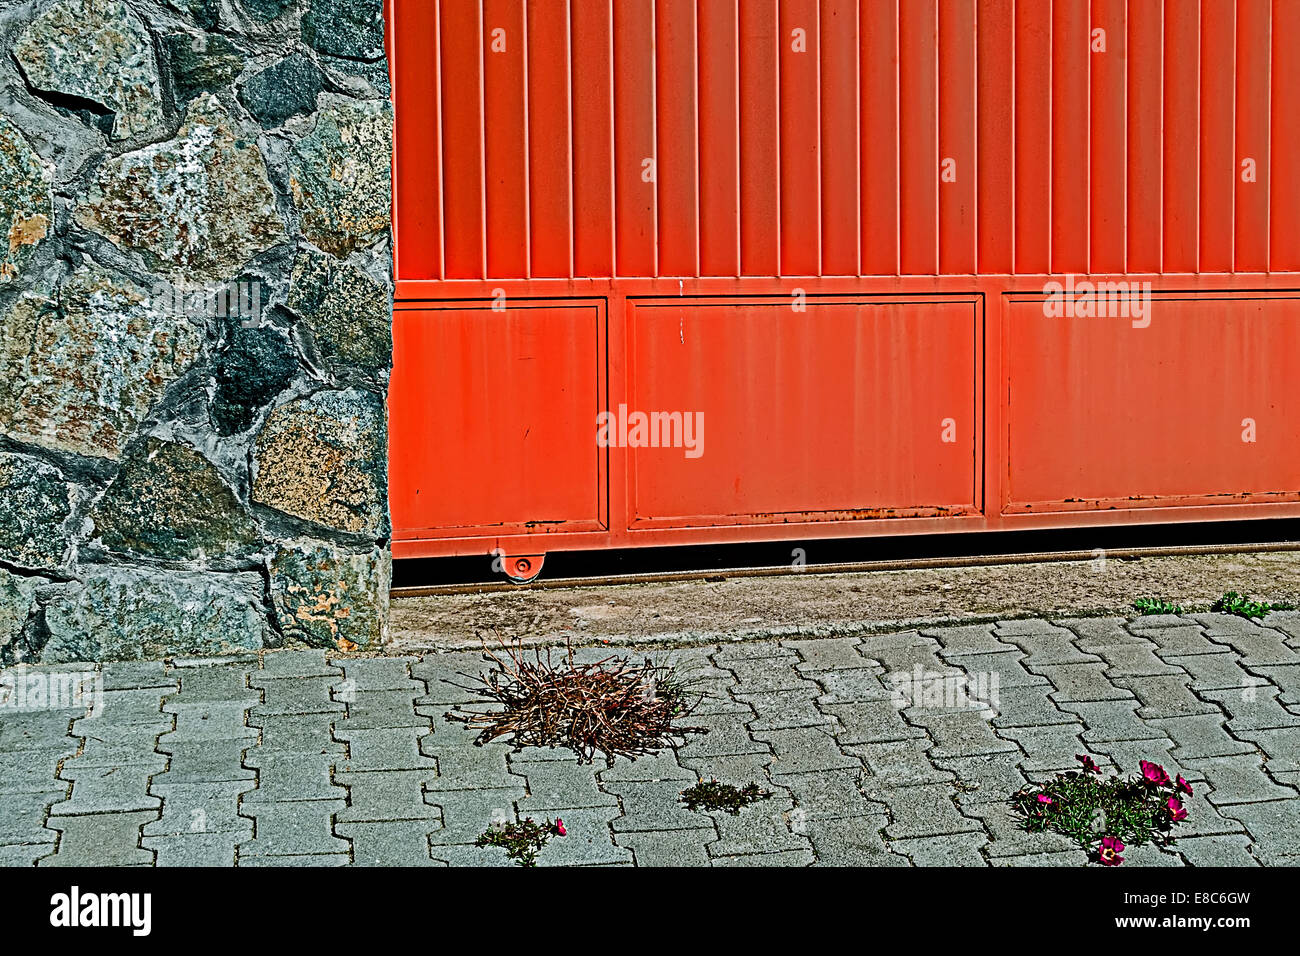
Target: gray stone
323,458
387,748
293,829
205,13
80,369
17,602
99,52
287,88
345,28
954,849
852,841
666,848
556,784
168,501
379,796
194,849
26,201
388,843
264,10
196,207
122,614
202,62
253,365
349,314
101,839
328,597
1223,850
340,174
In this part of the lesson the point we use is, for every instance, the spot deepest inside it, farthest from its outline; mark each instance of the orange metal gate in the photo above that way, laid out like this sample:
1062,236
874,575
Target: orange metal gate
697,271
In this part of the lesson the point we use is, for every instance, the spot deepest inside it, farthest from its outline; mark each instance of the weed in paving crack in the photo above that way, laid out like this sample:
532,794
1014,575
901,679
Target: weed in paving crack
1147,605
723,796
522,841
1234,603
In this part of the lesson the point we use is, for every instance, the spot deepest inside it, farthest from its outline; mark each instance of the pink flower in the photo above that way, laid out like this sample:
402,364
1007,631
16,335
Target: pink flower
1045,799
1154,774
1176,809
1109,851
1183,786
559,827
1089,765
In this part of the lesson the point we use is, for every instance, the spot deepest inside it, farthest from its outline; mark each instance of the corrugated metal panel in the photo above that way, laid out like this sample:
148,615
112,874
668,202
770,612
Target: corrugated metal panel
810,137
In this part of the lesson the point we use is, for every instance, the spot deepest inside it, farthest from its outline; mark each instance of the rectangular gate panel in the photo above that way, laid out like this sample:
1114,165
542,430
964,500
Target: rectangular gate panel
492,418
845,410
1198,406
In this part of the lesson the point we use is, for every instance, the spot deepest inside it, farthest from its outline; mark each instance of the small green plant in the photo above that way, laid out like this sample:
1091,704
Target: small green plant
1104,813
1149,605
522,841
1234,603
722,796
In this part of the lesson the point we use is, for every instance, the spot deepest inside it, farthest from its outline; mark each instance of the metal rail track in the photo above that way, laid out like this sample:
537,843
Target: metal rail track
851,567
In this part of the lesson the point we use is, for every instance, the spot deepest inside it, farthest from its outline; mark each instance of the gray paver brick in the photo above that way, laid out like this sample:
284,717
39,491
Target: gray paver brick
297,733
965,640
381,673
852,841
389,748
803,750
869,722
24,854
989,778
1200,736
199,808
1275,827
559,784
727,734
297,663
590,840
666,848
1111,720
1253,708
391,843
33,771
783,859
1050,747
1240,779
467,813
657,806
196,849
380,796
102,839
967,734
762,827
108,789
1166,696
22,816
925,810
1213,671
955,849
1185,640
293,829
903,763
827,654
299,695
1082,682
282,778
784,710
660,766
853,686
1231,849
829,795
134,675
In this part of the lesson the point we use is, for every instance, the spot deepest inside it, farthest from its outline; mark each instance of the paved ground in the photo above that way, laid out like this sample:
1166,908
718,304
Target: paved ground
295,759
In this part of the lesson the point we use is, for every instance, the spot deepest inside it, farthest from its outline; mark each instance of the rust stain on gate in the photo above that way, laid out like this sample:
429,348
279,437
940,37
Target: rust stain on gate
911,265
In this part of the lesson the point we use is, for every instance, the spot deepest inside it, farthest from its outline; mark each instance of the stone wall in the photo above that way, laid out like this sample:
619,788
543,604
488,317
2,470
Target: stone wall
196,305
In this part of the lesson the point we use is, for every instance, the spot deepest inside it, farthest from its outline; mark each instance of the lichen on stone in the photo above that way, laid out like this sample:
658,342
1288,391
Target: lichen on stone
284,89
26,201
328,597
341,174
35,503
196,207
345,28
167,501
348,313
97,51
133,614
17,601
323,458
81,365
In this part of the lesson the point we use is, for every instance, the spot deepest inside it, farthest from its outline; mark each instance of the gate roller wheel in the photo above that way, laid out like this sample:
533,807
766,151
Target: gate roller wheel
522,568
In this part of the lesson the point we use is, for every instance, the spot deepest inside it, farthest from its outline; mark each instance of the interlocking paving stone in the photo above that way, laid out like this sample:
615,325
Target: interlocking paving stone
379,796
1214,671
955,849
1152,855
199,808
1111,720
196,849
467,813
1201,736
101,839
785,858
966,640
666,847
785,710
1253,708
870,722
858,685
1255,644
1185,640
925,810
988,778
298,663
589,841
301,759
829,795
762,827
388,843
656,806
1275,827
24,854
293,829
1165,696
562,784
852,841
803,750
827,654
108,789
903,763
389,748
1082,682
1239,779
284,778
1229,849
33,771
